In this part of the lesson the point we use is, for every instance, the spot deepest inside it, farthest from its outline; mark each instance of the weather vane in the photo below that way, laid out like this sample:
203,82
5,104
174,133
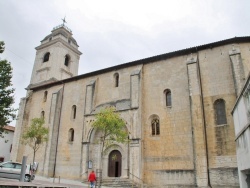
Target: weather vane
64,20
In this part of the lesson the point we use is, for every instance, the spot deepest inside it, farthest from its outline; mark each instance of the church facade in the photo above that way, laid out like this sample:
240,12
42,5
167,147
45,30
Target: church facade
177,108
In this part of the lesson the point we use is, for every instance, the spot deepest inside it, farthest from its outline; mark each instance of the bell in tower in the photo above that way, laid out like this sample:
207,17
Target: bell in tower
57,57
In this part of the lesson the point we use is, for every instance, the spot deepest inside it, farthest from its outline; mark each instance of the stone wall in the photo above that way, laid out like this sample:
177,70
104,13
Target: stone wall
191,148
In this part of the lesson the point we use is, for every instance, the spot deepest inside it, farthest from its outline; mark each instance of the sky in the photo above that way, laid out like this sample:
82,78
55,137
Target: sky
113,32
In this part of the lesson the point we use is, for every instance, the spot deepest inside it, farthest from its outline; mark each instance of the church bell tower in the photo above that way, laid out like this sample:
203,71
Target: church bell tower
57,57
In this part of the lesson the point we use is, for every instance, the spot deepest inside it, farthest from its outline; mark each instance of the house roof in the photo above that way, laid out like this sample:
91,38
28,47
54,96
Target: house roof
147,60
9,128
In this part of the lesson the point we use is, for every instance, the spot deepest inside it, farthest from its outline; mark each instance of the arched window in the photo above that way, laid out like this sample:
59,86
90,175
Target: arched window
168,97
74,112
71,135
155,125
42,114
220,112
116,79
46,57
45,96
66,61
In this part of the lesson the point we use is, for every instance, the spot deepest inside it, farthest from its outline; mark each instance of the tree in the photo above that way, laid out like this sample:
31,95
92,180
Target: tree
7,112
113,129
35,135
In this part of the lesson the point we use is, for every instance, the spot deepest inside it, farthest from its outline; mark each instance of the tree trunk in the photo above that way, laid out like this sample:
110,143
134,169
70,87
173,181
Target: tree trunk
100,169
32,166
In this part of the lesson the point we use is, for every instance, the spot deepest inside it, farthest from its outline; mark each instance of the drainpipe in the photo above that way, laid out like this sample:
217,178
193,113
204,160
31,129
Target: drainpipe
204,118
59,123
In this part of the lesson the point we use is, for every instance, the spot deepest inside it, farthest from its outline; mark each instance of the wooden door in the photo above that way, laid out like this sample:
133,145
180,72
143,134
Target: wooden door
115,164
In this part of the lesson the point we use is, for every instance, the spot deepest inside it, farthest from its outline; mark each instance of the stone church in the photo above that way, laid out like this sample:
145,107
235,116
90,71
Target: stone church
177,108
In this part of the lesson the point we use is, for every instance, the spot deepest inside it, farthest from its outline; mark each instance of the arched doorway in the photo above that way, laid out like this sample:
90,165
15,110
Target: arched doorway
115,164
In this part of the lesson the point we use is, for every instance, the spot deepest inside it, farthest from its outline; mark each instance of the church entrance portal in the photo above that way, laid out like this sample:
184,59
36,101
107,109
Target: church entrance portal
115,164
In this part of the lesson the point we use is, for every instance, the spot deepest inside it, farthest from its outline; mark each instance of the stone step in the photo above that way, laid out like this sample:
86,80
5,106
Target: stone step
118,182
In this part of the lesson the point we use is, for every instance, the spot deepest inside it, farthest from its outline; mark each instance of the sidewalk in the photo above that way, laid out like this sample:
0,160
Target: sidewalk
44,182
61,182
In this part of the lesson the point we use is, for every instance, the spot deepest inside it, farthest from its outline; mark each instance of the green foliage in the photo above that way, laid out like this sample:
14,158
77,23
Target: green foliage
35,135
1,46
7,113
112,127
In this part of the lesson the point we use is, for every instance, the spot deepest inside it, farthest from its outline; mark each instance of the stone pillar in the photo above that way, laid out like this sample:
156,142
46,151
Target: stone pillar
54,123
135,85
16,154
135,160
134,153
90,90
238,70
199,144
85,160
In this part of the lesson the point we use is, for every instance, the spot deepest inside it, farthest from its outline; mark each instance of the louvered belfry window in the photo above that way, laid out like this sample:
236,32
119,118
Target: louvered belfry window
66,61
46,57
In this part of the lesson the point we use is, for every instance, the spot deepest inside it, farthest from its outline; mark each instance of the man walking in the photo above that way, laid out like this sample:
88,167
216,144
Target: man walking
92,179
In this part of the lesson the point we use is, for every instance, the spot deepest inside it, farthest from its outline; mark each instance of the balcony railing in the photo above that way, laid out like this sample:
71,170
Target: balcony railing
62,25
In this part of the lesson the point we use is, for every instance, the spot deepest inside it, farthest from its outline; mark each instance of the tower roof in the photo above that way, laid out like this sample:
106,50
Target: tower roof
61,30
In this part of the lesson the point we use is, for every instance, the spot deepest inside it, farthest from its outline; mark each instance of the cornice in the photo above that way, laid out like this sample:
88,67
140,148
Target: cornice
54,41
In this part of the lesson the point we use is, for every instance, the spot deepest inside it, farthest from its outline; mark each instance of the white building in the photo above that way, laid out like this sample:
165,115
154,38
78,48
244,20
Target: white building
6,143
241,116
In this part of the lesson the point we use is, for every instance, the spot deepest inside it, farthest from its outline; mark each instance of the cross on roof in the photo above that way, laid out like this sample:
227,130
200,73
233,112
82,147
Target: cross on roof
64,20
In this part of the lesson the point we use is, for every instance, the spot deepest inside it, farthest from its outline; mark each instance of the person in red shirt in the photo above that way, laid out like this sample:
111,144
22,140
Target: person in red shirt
92,179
